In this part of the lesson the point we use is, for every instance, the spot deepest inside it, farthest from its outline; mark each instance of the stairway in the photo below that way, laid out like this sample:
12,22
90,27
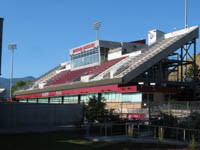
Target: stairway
155,53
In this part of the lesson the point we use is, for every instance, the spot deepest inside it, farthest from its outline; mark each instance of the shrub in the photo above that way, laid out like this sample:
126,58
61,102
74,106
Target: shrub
160,134
95,111
192,143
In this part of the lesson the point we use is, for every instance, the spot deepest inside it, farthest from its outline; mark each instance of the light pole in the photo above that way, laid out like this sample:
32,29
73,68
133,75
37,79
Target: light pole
96,27
11,47
186,24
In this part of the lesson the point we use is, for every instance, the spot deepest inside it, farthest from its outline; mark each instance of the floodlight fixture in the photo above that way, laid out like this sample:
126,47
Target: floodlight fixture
153,84
12,47
141,83
96,27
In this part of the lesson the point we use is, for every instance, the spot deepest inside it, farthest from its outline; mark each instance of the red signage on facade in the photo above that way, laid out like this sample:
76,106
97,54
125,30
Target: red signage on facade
134,116
91,45
97,89
9,99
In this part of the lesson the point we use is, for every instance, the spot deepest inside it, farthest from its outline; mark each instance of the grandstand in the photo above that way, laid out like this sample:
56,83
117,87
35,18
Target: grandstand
127,74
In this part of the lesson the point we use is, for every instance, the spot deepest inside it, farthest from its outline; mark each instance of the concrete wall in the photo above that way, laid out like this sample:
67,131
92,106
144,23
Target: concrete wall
114,55
38,115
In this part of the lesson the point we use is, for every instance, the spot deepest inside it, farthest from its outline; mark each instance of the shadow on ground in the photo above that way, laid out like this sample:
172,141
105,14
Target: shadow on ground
71,141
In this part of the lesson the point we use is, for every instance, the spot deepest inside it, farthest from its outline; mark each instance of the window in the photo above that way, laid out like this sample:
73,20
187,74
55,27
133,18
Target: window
23,101
132,97
118,96
43,100
112,96
85,58
71,99
56,100
32,100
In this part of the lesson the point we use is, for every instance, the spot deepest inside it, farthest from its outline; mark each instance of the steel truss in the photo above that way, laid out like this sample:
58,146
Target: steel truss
173,69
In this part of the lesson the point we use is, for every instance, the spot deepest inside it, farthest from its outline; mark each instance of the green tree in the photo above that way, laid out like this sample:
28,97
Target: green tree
95,110
18,85
190,72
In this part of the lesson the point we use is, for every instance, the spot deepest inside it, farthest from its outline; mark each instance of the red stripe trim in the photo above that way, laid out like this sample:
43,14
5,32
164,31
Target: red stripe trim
97,89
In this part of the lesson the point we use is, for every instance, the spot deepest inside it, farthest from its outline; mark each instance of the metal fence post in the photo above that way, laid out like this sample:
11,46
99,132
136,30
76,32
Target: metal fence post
154,132
132,129
177,134
126,129
111,130
105,130
184,134
87,130
100,127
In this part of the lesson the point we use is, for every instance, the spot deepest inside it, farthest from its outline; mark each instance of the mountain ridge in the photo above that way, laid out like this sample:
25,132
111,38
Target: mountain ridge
5,82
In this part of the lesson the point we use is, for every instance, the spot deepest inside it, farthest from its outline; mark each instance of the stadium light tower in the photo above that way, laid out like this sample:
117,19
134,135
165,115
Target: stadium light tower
11,47
186,24
96,27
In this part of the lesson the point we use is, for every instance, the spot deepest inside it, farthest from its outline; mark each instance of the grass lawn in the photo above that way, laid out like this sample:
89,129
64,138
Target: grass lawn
70,141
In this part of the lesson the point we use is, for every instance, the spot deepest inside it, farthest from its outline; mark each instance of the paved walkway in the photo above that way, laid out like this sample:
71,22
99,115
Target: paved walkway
37,129
123,138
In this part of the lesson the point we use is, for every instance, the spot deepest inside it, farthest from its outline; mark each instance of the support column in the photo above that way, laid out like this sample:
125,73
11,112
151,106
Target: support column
161,71
79,99
62,99
195,71
181,64
49,99
178,68
149,107
186,57
99,96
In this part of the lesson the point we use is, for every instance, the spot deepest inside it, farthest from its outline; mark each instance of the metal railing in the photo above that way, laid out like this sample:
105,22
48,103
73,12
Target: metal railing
149,53
173,133
142,130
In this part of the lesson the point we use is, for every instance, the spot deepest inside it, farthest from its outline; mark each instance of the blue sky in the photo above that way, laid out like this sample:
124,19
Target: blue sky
45,30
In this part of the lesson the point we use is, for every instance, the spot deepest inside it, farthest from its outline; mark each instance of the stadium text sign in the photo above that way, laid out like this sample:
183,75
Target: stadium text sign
85,47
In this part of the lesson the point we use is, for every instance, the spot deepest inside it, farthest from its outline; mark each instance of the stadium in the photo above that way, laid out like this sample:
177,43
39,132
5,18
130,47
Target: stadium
129,75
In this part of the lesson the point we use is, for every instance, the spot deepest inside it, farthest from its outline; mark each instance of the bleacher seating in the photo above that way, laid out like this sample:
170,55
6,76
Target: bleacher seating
105,66
69,76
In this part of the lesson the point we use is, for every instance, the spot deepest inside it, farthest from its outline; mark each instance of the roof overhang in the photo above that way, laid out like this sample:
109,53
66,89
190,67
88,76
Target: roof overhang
71,86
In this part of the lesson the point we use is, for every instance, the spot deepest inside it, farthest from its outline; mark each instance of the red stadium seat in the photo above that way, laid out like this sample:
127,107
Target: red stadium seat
69,76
